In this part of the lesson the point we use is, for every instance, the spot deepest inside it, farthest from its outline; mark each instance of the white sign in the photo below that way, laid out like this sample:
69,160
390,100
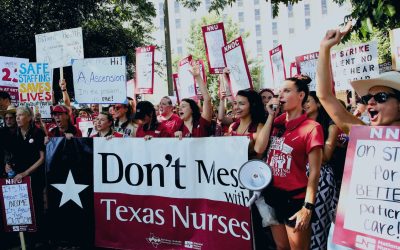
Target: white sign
214,40
9,67
145,69
395,46
277,66
60,47
186,84
100,80
16,204
355,63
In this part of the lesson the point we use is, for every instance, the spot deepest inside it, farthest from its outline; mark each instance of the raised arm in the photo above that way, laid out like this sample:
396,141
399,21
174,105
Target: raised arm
207,106
343,119
63,86
262,140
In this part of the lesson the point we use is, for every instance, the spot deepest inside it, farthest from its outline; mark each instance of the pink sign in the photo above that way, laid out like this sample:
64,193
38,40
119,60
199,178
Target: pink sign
176,83
214,40
145,69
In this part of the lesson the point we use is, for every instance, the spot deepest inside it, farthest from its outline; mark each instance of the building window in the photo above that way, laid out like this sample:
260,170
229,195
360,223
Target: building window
306,9
241,17
179,50
291,30
274,28
259,47
256,2
324,7
290,10
161,8
257,14
258,30
161,23
176,7
308,23
240,3
275,43
178,23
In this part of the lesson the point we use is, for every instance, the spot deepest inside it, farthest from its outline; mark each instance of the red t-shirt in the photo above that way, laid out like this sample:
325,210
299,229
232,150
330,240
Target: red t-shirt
161,131
172,124
288,153
200,129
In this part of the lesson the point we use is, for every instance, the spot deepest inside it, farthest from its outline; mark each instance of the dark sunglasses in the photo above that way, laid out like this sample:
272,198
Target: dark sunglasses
380,97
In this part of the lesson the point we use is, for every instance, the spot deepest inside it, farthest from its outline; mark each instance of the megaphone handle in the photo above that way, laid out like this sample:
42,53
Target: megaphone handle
253,199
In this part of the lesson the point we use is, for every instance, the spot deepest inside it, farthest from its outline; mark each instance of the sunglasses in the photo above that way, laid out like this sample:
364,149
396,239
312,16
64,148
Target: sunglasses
380,97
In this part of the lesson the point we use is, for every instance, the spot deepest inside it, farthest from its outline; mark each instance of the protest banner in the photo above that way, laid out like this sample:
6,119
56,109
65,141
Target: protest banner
60,47
171,197
277,66
100,80
35,84
9,67
368,212
293,69
235,59
86,126
214,40
130,88
203,76
176,86
145,69
17,205
187,83
354,63
307,64
395,48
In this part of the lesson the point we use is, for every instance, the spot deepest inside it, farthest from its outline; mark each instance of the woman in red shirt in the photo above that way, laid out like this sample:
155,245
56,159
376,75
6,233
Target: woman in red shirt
150,126
104,126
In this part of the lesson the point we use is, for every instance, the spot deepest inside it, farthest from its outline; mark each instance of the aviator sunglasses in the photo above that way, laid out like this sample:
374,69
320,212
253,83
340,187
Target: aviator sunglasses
380,97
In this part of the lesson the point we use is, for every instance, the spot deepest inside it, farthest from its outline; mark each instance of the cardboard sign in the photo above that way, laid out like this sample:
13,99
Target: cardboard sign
145,69
187,84
235,60
307,64
100,80
293,69
9,67
17,205
35,84
354,63
176,86
182,195
214,40
60,47
277,66
86,126
395,48
368,212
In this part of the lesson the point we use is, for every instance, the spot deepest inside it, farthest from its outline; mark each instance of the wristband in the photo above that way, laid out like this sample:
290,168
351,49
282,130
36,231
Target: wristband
308,206
63,90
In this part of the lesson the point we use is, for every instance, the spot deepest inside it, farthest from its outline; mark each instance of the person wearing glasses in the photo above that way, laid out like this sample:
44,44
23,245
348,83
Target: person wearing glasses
380,94
166,115
122,120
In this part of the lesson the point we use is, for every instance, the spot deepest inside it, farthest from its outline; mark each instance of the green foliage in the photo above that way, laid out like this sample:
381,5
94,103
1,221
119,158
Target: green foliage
110,27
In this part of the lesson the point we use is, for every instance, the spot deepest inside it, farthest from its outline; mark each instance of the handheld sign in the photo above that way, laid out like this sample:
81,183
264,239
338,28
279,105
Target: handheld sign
277,66
17,205
176,86
307,64
214,40
130,88
9,67
395,48
293,69
145,69
35,84
235,60
368,211
86,126
100,80
187,84
60,47
354,63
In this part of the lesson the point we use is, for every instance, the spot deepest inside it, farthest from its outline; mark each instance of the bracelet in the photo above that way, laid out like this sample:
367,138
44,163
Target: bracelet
63,90
308,205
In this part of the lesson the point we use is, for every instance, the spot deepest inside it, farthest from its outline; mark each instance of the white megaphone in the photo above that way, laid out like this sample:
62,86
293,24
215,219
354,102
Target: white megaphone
255,175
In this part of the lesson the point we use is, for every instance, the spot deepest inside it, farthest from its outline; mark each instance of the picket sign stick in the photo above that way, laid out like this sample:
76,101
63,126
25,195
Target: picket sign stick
61,73
353,100
22,239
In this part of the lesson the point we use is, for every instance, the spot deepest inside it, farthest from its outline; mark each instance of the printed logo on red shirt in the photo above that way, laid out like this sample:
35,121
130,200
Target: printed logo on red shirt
282,158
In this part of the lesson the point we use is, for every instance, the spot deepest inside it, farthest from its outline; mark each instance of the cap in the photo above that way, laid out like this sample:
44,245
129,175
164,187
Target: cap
143,108
60,109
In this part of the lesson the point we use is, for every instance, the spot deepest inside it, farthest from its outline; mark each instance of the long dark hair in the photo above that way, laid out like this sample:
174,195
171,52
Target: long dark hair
144,108
257,112
322,118
195,110
301,82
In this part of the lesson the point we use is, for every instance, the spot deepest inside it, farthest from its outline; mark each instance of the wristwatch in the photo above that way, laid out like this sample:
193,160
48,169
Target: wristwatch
309,205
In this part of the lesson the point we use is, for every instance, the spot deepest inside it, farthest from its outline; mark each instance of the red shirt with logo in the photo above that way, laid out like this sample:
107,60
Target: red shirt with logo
200,129
172,124
290,144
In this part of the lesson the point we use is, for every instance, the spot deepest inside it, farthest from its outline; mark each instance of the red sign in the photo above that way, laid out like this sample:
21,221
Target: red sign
214,40
176,83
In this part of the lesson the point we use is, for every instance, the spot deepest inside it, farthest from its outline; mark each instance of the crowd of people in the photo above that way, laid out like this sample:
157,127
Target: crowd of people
300,134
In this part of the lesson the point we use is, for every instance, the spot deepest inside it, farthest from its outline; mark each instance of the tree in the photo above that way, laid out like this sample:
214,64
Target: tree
381,14
110,27
195,45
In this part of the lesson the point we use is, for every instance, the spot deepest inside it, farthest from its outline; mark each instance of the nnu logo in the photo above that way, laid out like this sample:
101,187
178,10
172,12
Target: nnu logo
365,243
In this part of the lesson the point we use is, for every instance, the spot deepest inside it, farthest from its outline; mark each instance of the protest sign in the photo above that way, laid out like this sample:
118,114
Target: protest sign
385,67
187,84
176,86
395,48
203,76
100,80
44,110
171,197
145,69
277,66
368,213
235,60
60,47
9,67
130,88
354,63
293,69
17,205
86,126
307,65
35,84
214,40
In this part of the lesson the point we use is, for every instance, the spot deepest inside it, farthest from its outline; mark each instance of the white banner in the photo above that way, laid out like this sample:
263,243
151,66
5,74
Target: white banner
59,47
100,80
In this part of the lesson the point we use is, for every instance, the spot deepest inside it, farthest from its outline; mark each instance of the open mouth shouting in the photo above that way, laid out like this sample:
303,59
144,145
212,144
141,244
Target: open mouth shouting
373,114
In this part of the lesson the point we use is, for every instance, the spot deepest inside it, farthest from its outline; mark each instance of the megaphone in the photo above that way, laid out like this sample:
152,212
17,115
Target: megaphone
255,175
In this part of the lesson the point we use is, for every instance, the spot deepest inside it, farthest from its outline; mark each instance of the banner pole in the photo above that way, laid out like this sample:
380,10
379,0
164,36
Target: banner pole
61,73
22,239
